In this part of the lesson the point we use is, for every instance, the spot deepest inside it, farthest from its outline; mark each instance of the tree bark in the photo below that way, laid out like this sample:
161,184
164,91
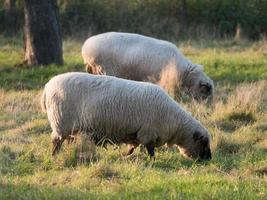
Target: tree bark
238,33
42,35
10,17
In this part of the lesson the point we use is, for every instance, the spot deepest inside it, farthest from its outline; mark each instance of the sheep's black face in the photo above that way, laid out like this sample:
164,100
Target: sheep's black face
202,146
202,90
205,91
200,87
197,148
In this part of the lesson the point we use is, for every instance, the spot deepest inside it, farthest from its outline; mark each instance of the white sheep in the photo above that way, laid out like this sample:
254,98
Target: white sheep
141,58
121,111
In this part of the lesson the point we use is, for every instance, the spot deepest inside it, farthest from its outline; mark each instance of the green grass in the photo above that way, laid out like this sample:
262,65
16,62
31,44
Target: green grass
237,121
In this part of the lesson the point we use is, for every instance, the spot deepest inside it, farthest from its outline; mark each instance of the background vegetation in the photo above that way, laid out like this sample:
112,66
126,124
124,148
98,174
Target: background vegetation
169,19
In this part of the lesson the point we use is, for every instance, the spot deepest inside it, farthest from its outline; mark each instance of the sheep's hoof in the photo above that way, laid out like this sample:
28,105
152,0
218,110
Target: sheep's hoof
152,158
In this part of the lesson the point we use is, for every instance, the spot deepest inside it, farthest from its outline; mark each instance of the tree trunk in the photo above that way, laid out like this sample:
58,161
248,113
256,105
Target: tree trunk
42,36
183,16
10,17
238,33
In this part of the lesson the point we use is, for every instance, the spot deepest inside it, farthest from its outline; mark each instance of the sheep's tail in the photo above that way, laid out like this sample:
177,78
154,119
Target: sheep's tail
43,101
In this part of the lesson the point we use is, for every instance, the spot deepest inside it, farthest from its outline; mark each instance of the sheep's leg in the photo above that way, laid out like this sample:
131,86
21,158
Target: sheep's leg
150,149
89,68
148,142
57,142
93,68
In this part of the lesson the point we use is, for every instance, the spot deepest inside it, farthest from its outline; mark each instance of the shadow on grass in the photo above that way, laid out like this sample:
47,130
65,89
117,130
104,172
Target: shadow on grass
261,172
234,121
28,191
200,187
173,164
262,127
17,163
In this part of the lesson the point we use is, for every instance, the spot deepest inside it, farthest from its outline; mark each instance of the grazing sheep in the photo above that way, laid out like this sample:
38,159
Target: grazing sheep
121,111
141,58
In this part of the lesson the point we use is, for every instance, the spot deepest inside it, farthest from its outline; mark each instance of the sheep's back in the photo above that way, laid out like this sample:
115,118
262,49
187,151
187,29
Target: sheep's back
130,56
106,104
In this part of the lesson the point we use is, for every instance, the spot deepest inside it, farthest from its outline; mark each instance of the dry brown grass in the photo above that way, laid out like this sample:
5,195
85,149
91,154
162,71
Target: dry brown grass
245,99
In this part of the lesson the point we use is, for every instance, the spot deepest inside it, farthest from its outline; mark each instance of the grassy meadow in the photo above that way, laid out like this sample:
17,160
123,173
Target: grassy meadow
237,121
